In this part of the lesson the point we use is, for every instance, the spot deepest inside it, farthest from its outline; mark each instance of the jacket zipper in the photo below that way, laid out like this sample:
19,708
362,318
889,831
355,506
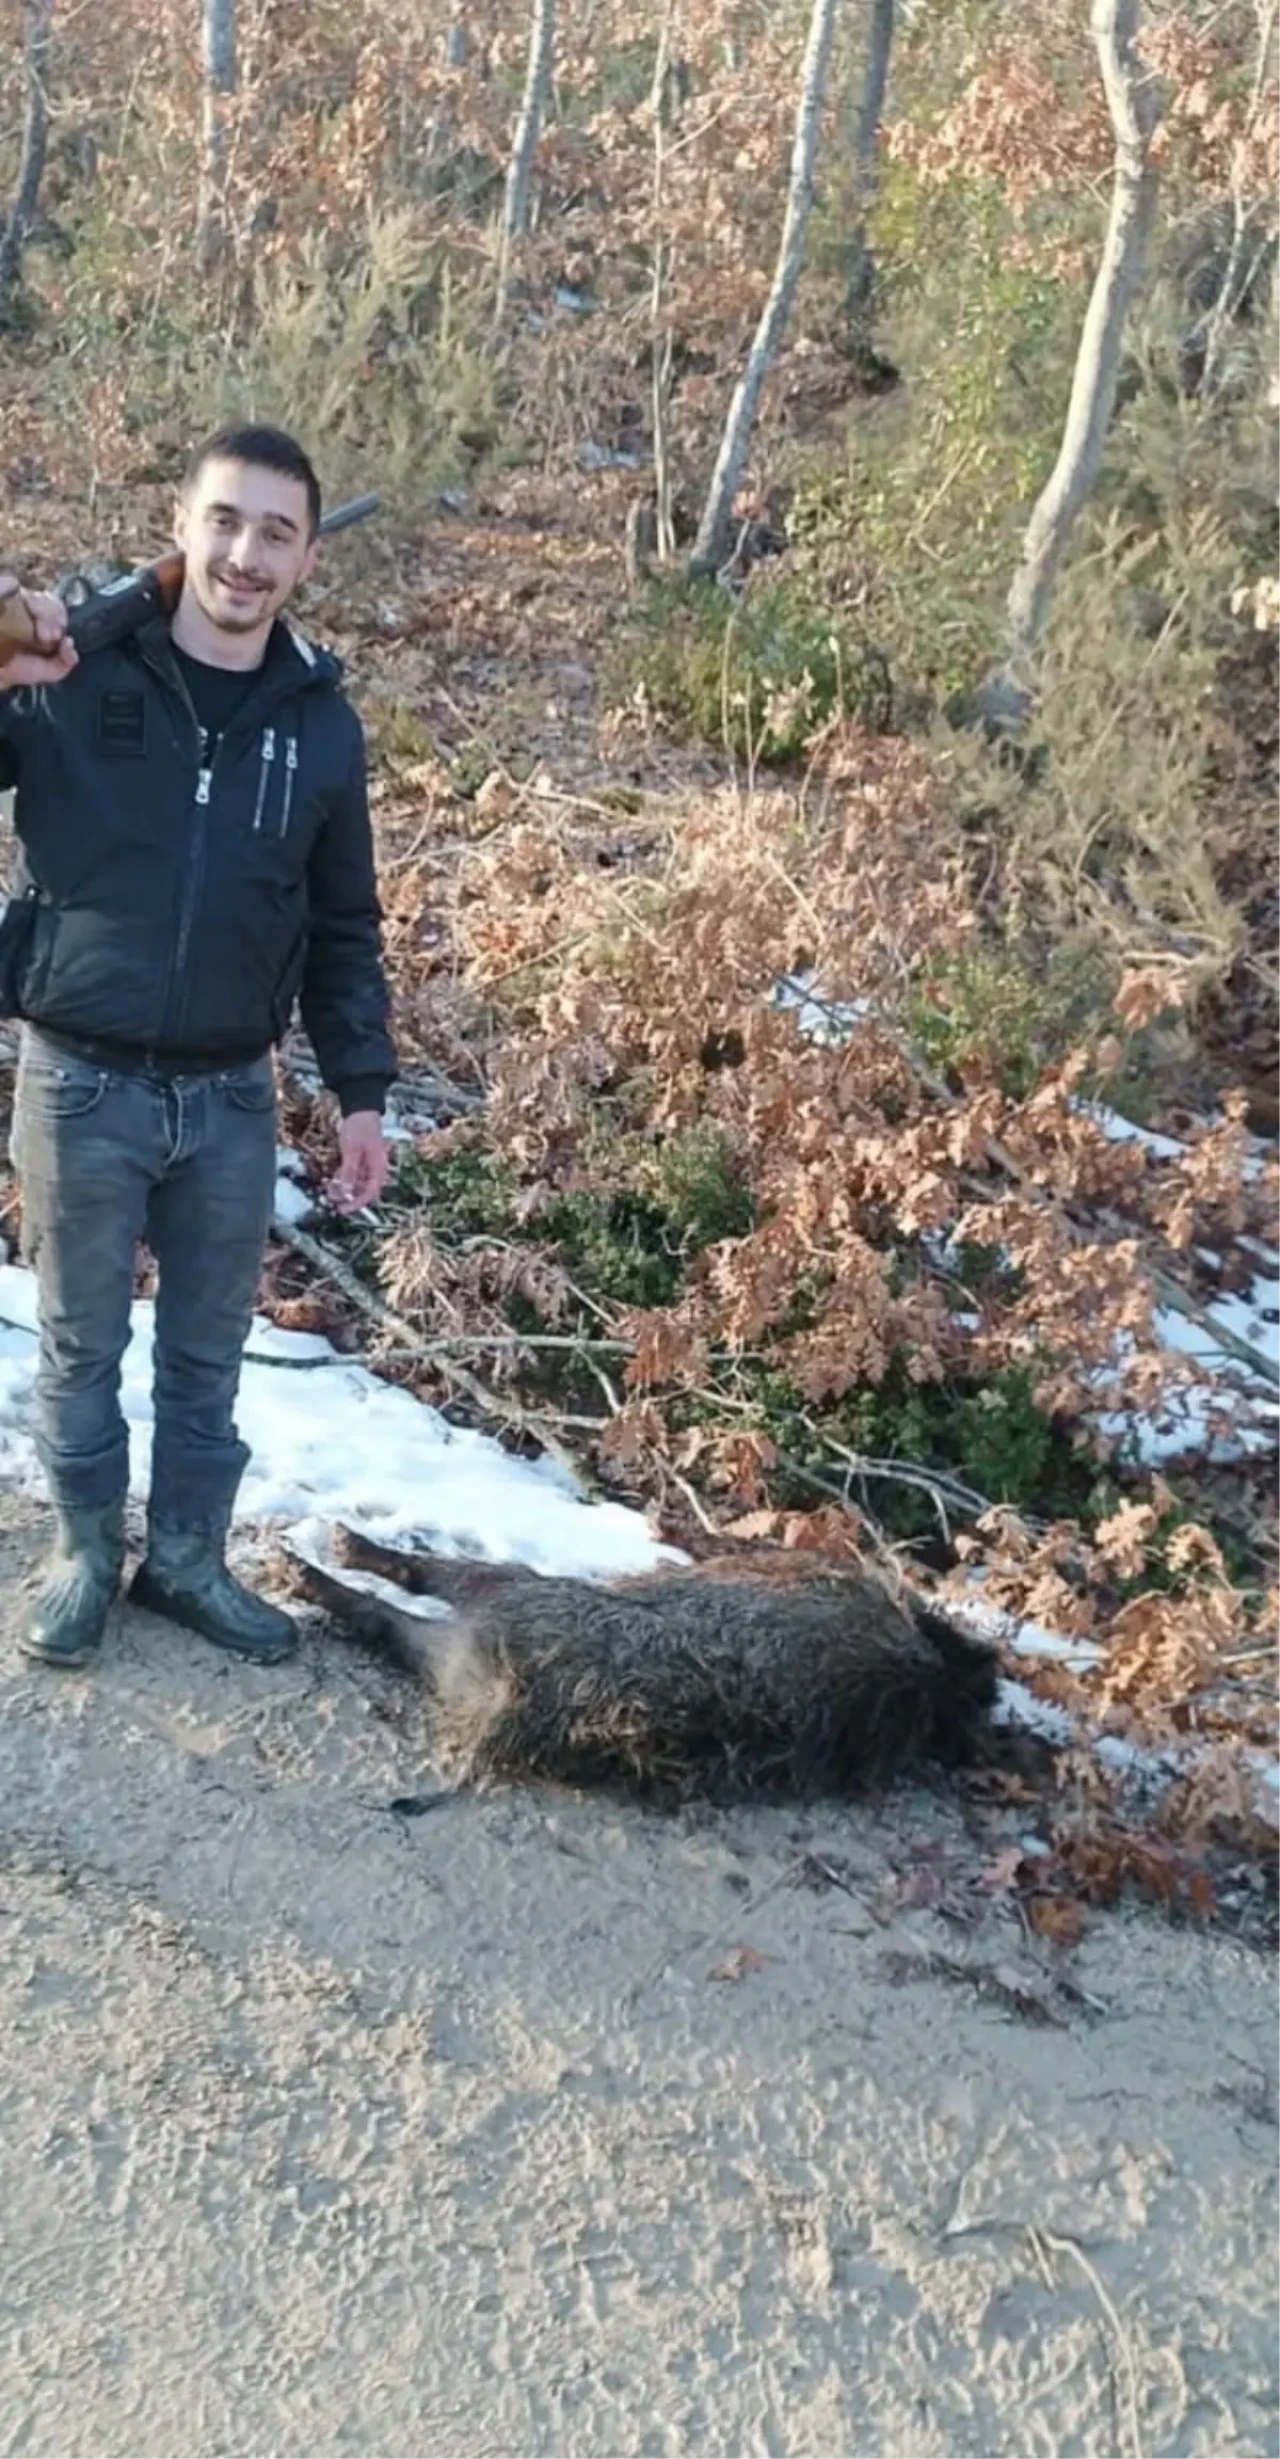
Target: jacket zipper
264,772
195,866
290,770
205,764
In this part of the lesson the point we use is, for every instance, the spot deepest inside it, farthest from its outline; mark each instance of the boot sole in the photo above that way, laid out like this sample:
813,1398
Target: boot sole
72,1660
153,1599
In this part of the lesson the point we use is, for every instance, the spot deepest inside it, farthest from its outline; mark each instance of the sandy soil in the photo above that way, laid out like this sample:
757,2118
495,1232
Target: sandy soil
325,2129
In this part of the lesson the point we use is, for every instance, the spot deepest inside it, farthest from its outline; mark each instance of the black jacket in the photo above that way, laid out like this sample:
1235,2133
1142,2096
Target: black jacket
178,911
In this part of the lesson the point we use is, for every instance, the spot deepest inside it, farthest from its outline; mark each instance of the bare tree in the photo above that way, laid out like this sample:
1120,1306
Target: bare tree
1134,107
38,25
515,209
659,331
219,86
713,530
875,85
1253,219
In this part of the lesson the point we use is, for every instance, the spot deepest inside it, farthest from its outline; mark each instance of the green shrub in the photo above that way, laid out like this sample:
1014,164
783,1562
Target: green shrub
631,1243
759,674
990,1012
704,1197
992,1438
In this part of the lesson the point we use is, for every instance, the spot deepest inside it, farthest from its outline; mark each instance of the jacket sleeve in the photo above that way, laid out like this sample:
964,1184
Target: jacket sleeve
344,1001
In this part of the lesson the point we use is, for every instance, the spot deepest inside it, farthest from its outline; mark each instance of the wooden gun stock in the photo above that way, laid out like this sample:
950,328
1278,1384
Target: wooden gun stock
113,612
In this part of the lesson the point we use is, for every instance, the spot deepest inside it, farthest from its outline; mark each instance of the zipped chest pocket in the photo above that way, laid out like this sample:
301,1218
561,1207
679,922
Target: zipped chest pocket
275,792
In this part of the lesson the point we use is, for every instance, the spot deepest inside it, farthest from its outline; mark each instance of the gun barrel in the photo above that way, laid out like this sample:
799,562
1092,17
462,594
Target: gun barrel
343,515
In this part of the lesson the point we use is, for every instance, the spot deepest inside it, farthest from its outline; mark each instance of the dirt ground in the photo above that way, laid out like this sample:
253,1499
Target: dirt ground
532,2126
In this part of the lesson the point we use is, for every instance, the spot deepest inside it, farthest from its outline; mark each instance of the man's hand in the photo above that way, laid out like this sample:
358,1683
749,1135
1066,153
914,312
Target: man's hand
54,653
365,1165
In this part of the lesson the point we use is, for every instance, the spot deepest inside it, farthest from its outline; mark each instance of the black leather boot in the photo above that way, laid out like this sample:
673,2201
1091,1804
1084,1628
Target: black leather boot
66,1619
185,1578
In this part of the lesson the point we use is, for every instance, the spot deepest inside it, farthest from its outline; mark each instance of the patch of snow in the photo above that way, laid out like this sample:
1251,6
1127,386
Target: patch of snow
1020,1638
1118,1130
329,1441
1016,1705
1234,1411
1121,1130
592,456
826,1021
292,1203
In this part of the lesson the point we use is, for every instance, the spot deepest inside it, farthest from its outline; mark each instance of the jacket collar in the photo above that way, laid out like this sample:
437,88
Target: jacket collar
292,662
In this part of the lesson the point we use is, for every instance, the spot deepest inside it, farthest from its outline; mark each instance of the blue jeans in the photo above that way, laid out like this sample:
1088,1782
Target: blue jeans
188,1164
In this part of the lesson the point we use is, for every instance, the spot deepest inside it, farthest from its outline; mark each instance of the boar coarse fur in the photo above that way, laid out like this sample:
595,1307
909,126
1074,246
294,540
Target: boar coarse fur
718,1682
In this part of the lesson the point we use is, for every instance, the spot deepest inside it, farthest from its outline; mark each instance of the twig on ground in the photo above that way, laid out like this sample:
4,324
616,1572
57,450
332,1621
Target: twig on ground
840,1494
1025,1994
694,1501
1043,2243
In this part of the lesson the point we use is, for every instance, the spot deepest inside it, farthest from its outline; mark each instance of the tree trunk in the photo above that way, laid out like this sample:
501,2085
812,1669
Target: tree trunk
38,16
515,209
660,346
875,85
1134,109
710,545
1249,245
219,86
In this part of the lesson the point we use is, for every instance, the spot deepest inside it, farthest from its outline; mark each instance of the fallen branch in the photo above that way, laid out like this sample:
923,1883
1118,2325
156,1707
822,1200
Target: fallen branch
937,1483
508,1413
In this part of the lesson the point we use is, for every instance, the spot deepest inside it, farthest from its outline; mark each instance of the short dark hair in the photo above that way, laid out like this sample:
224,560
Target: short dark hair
268,448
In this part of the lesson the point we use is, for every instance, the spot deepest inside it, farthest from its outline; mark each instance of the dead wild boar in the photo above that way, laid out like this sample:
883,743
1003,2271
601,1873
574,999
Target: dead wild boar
720,1682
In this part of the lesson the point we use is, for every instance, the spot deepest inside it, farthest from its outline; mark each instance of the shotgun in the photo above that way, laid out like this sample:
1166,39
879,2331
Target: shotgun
97,617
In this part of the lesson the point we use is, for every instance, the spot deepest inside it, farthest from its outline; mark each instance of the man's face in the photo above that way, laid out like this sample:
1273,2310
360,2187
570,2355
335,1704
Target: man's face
245,532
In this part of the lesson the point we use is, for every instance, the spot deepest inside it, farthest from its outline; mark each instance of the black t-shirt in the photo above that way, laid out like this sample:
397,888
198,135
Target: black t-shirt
217,692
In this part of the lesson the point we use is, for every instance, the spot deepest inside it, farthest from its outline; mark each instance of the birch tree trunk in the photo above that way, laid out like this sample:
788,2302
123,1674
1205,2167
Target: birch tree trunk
875,85
1134,108
1249,244
515,209
660,350
38,21
709,547
219,86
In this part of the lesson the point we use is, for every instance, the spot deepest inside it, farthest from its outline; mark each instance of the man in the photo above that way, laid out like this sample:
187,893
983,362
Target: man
193,817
